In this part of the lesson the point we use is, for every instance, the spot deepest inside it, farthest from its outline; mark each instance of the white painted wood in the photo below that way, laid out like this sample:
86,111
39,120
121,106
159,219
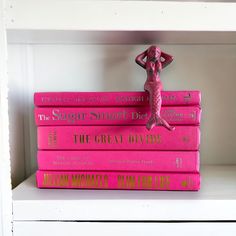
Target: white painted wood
5,182
121,15
16,94
121,22
125,229
215,201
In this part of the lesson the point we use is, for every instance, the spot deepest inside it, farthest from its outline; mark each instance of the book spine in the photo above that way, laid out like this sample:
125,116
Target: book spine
118,180
119,161
188,115
118,138
169,98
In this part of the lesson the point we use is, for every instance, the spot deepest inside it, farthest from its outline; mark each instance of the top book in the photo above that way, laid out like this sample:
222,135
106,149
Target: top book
111,99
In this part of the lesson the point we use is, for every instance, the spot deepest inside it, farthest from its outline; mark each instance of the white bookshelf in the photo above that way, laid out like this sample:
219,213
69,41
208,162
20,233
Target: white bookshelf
119,228
91,45
121,15
215,201
121,22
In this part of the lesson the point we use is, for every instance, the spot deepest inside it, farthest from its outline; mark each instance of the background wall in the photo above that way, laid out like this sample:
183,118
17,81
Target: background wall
74,67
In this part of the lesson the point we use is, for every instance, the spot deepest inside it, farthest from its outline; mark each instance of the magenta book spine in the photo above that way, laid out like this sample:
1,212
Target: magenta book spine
188,115
118,180
183,138
156,161
64,99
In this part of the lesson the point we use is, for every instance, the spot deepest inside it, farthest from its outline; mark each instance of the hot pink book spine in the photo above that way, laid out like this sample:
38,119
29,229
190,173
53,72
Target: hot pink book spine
118,180
162,161
188,115
169,98
118,138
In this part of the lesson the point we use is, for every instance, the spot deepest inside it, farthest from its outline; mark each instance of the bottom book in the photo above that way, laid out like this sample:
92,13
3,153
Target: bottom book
118,180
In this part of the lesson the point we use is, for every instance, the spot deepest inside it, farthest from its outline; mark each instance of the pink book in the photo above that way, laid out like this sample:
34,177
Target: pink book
162,161
64,99
118,138
118,180
188,115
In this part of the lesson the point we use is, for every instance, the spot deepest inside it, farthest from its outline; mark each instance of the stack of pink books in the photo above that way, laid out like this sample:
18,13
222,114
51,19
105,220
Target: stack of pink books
98,140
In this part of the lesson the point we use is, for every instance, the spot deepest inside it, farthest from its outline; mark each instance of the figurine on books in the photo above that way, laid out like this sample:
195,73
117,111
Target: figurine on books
156,60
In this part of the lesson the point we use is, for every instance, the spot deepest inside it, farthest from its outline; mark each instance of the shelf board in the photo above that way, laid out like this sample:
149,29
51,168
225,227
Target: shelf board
120,21
121,15
215,201
38,228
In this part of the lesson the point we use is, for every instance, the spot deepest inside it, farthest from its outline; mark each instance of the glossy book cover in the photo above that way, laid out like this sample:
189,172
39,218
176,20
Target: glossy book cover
109,160
118,180
178,115
118,138
64,99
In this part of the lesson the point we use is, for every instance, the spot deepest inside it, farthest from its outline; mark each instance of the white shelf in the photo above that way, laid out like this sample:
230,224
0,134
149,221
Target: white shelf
121,15
215,201
30,21
38,228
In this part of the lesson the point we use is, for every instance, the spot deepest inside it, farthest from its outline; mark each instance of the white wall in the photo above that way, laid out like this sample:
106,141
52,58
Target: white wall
74,67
